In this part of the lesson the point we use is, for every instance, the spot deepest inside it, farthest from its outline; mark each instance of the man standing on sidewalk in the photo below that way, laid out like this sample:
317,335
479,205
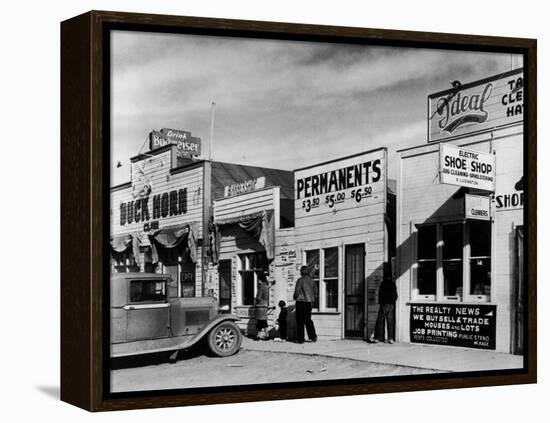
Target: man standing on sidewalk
387,296
304,295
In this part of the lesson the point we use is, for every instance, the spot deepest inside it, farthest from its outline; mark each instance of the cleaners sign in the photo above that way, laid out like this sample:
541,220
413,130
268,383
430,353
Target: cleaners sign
459,325
466,168
477,207
478,106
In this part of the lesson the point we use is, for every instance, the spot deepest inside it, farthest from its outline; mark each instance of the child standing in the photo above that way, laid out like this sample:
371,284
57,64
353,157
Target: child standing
282,320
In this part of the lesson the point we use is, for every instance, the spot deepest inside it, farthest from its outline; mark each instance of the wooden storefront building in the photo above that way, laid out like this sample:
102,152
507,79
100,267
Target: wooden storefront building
460,220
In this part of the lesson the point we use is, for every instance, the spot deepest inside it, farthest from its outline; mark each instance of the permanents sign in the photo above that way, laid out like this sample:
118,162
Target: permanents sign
467,168
327,188
244,187
460,325
184,142
481,105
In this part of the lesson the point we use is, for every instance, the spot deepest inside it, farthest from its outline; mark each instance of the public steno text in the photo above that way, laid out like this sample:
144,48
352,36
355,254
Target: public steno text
340,179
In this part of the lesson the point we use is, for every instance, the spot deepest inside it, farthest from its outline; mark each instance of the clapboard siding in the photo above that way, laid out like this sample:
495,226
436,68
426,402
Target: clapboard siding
423,199
348,222
248,203
155,171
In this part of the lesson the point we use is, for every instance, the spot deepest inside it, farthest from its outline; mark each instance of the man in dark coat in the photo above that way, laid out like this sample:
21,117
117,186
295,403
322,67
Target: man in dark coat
387,296
304,294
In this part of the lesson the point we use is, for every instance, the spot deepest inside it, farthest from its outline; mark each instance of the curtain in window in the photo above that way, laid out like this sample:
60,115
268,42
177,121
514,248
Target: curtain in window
259,226
167,239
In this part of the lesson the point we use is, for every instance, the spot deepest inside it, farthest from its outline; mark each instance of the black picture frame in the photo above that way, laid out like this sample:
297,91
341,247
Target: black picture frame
85,132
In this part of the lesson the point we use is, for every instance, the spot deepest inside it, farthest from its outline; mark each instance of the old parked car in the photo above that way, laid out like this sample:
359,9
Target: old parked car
145,320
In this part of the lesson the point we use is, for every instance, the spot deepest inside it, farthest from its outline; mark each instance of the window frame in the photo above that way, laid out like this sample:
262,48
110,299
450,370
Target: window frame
418,296
254,271
127,264
322,285
164,282
466,259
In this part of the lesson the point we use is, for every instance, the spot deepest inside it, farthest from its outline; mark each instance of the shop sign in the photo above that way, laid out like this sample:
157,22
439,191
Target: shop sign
184,142
172,203
244,187
477,207
474,107
327,187
459,325
511,198
466,168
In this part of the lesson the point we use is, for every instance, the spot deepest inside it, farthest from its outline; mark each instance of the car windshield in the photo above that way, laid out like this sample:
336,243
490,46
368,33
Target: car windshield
147,290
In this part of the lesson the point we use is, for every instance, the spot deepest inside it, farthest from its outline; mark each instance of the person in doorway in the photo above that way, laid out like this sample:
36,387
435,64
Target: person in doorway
260,307
387,296
304,294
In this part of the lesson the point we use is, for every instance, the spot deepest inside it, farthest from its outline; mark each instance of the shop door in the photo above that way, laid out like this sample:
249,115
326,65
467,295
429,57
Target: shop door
172,269
518,294
354,298
224,271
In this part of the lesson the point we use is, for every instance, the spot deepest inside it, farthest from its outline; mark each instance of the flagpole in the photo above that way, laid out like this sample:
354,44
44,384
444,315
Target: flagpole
211,146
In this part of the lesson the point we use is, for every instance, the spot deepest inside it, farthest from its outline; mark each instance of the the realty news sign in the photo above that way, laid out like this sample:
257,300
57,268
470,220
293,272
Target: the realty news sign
460,325
467,168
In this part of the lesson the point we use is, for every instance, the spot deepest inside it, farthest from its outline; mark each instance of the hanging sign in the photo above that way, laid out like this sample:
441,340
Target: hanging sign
460,325
466,168
477,207
244,187
184,142
478,106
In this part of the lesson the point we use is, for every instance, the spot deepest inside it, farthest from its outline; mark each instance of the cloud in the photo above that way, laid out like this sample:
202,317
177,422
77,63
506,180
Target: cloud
279,103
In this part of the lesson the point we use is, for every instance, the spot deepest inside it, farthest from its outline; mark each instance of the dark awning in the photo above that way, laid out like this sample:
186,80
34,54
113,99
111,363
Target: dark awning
120,244
260,226
172,238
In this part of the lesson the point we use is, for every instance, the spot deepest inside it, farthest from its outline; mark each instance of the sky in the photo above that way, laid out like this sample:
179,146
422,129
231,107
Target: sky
279,104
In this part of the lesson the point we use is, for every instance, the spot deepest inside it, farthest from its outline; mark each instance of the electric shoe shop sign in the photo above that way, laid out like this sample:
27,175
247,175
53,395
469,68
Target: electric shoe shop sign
466,168
476,107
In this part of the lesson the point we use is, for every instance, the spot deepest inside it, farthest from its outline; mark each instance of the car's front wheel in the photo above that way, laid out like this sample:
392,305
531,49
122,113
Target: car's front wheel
225,339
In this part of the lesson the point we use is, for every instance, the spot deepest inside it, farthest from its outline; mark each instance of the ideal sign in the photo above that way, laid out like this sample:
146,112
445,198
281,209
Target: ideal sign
244,187
467,168
184,142
477,207
475,107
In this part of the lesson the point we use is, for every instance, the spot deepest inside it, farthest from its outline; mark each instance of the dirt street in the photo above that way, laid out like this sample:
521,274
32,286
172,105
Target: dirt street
247,367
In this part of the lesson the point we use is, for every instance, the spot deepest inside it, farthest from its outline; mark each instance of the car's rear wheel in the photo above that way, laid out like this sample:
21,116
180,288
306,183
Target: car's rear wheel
225,339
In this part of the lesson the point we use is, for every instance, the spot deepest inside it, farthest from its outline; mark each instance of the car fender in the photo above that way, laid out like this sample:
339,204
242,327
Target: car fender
213,323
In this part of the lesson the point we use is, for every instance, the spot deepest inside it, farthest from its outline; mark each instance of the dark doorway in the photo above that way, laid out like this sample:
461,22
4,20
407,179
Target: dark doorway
224,271
354,313
519,280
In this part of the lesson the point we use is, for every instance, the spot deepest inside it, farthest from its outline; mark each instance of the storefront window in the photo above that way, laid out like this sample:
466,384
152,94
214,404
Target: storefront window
452,261
312,263
480,259
323,266
461,243
143,290
251,267
427,256
331,277
124,262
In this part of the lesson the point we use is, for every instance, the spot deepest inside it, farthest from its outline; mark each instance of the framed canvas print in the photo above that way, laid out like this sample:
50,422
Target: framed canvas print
256,211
